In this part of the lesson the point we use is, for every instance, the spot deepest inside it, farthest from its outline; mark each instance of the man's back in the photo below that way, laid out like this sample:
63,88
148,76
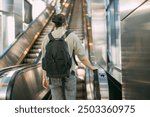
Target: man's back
65,89
73,44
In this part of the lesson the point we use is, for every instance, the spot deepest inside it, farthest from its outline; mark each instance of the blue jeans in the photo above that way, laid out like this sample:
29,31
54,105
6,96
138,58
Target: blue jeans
70,88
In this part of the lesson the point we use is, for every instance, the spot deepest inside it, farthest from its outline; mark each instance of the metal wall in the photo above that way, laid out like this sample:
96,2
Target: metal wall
135,40
18,15
99,32
1,28
7,23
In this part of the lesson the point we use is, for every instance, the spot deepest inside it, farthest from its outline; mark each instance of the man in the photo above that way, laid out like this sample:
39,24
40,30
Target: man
74,43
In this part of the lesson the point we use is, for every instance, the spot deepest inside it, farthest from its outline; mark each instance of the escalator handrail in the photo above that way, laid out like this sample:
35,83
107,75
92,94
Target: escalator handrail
6,69
96,85
110,77
14,76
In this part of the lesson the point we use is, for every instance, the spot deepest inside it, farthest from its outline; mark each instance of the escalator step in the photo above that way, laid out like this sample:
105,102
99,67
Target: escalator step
38,42
36,46
35,50
31,55
29,60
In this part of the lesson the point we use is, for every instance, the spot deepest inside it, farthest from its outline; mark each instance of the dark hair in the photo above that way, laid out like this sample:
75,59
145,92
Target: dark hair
58,19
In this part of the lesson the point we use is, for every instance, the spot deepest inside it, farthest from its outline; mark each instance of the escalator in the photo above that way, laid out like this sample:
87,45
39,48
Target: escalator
28,41
33,53
26,82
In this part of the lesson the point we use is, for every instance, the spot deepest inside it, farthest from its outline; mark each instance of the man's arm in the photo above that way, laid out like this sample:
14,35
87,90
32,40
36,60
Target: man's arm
87,63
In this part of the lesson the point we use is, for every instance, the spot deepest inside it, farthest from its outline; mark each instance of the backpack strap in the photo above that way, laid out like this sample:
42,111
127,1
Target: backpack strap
66,34
63,37
73,53
51,38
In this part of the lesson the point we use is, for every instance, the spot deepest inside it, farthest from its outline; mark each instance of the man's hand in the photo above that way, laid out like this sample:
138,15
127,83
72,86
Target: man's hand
45,83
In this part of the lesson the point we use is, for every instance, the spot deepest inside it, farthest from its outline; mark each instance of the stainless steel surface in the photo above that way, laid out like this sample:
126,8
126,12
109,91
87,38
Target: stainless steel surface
99,32
135,34
7,5
18,11
128,6
4,84
22,84
7,21
98,44
27,85
1,34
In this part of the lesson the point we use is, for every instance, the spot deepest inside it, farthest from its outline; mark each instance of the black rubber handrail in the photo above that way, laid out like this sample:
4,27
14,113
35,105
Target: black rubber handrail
97,95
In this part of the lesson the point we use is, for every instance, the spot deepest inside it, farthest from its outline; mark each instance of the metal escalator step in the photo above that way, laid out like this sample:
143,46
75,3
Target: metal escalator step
38,42
44,33
35,50
36,46
29,60
42,36
31,55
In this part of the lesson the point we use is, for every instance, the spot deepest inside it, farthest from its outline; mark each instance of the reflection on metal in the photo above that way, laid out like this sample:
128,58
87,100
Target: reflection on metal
136,53
99,31
95,26
23,84
113,40
127,7
4,83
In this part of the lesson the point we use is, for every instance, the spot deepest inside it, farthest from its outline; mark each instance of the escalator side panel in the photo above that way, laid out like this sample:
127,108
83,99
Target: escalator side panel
28,85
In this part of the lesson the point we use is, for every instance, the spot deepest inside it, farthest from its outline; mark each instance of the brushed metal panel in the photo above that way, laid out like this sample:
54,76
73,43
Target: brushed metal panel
126,6
7,5
0,4
136,54
1,36
18,14
99,31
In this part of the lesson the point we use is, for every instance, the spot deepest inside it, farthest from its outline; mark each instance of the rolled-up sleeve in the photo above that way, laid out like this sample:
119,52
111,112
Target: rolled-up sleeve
78,48
43,47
